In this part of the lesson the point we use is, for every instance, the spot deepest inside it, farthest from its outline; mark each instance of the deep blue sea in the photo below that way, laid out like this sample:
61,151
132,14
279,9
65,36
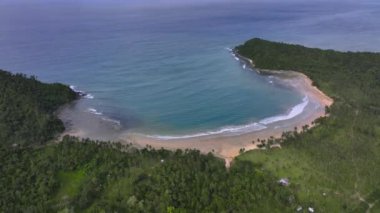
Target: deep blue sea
166,69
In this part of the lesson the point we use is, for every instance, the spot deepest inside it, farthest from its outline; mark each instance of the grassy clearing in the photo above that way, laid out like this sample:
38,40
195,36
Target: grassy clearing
70,183
312,186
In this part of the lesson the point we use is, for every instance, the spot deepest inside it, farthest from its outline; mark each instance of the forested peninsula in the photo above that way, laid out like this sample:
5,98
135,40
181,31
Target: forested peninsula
335,164
332,167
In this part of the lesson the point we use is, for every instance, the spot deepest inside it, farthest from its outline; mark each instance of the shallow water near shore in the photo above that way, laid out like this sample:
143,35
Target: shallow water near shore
168,72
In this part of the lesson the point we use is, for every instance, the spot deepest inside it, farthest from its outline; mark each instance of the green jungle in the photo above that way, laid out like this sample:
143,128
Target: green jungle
332,167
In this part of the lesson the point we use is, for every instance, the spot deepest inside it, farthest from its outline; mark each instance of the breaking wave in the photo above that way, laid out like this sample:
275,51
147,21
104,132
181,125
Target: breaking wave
104,118
230,130
81,93
296,110
237,130
94,111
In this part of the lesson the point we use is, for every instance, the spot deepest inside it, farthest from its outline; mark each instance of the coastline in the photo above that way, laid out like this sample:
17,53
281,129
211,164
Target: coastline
226,146
229,146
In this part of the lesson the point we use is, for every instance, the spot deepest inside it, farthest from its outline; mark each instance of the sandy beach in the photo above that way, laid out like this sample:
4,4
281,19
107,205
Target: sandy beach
228,147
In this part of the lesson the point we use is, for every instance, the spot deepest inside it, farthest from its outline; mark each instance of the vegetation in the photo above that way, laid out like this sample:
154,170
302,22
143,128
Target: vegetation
334,165
26,109
91,176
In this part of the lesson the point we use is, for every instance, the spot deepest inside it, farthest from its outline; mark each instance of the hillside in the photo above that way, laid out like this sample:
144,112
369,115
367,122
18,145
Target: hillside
92,176
334,165
26,109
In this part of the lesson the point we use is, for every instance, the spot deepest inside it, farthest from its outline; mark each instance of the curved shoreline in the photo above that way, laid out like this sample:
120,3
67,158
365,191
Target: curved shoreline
229,146
240,129
222,144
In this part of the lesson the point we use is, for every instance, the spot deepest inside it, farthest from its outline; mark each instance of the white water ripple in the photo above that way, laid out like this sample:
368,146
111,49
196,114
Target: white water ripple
226,130
296,110
236,130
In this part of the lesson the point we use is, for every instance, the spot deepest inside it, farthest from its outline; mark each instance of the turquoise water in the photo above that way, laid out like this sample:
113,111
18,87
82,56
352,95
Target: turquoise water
166,70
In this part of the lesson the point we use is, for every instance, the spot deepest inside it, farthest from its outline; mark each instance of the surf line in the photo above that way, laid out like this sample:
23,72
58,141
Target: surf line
241,129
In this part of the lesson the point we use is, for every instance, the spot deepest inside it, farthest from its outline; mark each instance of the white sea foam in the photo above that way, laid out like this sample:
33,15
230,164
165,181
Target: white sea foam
89,96
94,111
111,120
234,55
230,130
244,66
74,88
296,110
271,82
236,130
229,49
82,93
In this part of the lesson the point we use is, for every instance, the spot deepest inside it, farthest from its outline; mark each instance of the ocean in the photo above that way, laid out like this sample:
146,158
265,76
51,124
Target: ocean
167,71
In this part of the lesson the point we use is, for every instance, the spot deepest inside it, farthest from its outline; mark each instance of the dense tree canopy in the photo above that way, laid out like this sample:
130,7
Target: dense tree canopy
83,175
27,106
332,167
335,165
87,175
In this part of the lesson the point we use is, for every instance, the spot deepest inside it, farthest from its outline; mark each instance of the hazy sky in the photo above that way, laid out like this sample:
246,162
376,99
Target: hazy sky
157,3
